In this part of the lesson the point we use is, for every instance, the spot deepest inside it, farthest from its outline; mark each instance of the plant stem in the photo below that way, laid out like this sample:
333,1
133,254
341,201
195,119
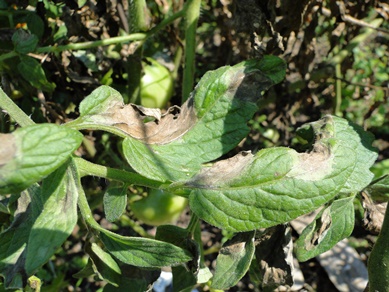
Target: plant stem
192,17
378,265
338,87
93,44
88,168
113,40
14,111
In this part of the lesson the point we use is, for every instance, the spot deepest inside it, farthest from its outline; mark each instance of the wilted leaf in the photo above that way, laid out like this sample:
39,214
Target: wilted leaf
276,185
374,213
273,263
31,153
57,219
330,226
234,260
144,252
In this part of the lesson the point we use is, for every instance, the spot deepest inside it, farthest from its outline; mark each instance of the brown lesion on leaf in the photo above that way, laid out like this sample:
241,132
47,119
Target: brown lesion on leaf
8,148
222,171
247,86
323,224
149,125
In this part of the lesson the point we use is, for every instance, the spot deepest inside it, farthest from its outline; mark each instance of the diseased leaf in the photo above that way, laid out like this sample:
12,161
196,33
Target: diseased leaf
273,263
374,214
57,219
276,185
330,226
144,252
31,153
115,201
212,122
234,260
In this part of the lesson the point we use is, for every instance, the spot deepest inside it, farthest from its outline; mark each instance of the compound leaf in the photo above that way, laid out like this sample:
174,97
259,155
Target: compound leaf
276,185
31,153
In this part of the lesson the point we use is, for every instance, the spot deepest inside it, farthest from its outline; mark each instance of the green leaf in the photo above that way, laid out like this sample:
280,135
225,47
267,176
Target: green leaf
24,42
31,153
99,100
57,219
330,226
234,260
144,252
103,264
379,189
276,185
115,202
31,70
14,239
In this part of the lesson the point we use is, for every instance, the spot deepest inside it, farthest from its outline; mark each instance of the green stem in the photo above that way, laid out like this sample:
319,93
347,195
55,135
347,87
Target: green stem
88,168
14,111
192,17
378,265
93,44
338,86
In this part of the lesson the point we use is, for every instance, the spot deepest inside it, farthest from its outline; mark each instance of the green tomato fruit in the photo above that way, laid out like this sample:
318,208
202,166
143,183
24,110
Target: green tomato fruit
158,208
156,85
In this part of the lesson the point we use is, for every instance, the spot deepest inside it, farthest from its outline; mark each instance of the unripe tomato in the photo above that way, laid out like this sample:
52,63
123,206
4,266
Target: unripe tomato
156,85
158,207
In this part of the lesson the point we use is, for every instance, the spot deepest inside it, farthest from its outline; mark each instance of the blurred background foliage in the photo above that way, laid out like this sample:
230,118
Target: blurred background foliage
336,53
